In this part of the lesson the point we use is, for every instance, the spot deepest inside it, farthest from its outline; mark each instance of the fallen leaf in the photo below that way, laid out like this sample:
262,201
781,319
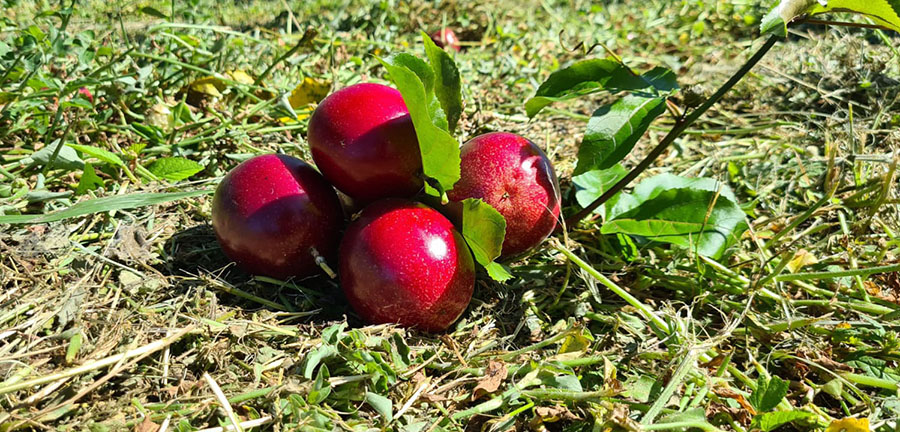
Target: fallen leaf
240,76
849,424
554,414
129,245
310,91
833,365
300,118
740,415
209,85
493,377
715,362
737,397
801,259
160,115
146,426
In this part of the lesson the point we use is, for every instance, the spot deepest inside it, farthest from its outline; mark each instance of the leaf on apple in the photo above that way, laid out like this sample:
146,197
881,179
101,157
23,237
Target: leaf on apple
447,85
484,228
884,12
440,151
701,214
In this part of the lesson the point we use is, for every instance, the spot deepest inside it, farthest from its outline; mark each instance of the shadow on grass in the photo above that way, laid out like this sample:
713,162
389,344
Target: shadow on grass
194,259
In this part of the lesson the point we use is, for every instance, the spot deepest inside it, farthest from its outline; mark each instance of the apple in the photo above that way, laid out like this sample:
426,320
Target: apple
274,215
403,262
446,38
514,176
362,139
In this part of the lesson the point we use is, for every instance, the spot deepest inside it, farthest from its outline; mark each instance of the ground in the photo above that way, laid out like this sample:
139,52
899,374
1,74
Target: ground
133,319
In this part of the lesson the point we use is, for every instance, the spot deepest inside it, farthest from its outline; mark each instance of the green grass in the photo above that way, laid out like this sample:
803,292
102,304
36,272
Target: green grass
126,313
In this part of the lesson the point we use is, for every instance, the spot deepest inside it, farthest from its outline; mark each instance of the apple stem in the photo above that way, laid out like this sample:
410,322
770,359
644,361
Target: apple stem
320,261
680,126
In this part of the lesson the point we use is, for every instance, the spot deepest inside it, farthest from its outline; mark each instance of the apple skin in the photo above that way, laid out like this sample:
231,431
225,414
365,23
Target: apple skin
514,176
403,262
362,139
446,38
270,210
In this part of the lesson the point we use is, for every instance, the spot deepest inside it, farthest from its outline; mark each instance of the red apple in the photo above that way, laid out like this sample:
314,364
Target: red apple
446,38
403,262
362,139
514,176
274,213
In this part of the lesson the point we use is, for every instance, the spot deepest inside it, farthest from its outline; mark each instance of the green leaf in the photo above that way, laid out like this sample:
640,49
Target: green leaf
874,367
440,151
680,216
884,12
74,347
591,76
422,69
67,158
498,272
834,388
315,357
89,180
687,420
653,186
174,168
321,388
484,228
105,204
614,129
768,394
592,184
382,405
771,420
99,153
153,12
447,86
582,78
77,102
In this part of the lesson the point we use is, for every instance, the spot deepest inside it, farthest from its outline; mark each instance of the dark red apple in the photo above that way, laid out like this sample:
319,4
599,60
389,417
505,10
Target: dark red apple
362,139
271,211
446,38
514,176
403,262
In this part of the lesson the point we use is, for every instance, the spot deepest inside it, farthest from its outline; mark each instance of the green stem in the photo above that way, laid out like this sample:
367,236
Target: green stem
676,131
625,295
837,274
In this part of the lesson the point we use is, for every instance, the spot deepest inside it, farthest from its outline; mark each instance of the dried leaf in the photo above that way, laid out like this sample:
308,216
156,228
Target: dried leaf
740,415
146,426
849,424
739,398
802,259
554,414
209,86
493,377
310,91
240,76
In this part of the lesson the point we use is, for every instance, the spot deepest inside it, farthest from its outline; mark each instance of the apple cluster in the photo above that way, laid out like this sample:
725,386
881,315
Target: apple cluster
399,260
